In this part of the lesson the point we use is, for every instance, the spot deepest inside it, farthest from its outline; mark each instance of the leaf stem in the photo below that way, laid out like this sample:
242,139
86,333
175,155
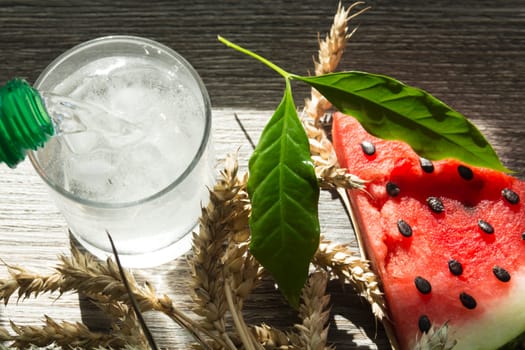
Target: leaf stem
272,65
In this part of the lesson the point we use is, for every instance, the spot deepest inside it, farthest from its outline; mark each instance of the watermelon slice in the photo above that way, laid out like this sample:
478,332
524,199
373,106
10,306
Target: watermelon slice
446,240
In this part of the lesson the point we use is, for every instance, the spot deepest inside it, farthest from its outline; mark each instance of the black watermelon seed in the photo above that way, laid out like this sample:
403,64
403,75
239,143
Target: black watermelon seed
523,236
485,226
426,165
392,189
424,323
435,204
422,285
404,228
368,147
465,172
468,301
511,196
455,267
501,274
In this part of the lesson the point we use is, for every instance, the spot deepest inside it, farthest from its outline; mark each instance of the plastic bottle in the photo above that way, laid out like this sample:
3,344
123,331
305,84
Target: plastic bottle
24,121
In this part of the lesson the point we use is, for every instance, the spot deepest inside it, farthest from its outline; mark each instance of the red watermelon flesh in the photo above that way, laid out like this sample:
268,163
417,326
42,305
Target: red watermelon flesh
446,240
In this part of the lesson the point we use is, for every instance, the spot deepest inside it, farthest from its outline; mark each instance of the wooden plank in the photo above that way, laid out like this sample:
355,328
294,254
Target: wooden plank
467,53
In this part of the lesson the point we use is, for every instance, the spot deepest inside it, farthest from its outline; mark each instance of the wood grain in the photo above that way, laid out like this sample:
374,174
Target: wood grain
468,53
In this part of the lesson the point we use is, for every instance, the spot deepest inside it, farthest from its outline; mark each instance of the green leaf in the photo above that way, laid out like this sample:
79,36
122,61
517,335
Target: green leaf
392,110
284,194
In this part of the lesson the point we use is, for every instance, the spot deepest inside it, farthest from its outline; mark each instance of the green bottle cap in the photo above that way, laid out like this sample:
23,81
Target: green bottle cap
24,121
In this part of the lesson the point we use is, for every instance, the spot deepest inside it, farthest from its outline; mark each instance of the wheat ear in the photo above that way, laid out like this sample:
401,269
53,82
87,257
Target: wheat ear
66,335
223,271
337,258
314,311
331,49
102,284
436,339
343,263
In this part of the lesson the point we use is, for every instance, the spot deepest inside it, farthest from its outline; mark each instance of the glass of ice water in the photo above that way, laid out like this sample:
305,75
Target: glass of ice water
139,170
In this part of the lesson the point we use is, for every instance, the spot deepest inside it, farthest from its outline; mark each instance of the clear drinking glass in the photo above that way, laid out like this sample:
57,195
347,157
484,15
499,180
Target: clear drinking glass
142,170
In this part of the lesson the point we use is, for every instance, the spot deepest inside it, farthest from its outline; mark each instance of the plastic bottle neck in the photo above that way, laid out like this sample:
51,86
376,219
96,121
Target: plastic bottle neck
24,121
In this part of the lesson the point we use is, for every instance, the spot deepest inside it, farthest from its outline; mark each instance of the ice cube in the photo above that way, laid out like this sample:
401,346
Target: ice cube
144,170
92,176
83,142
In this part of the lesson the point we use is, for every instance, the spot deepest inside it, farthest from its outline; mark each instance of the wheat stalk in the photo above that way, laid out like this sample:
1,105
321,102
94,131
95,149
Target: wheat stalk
242,274
101,283
331,49
223,271
66,335
337,258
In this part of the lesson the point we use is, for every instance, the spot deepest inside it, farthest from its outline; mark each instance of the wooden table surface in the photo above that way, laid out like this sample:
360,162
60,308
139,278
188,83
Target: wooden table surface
468,53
